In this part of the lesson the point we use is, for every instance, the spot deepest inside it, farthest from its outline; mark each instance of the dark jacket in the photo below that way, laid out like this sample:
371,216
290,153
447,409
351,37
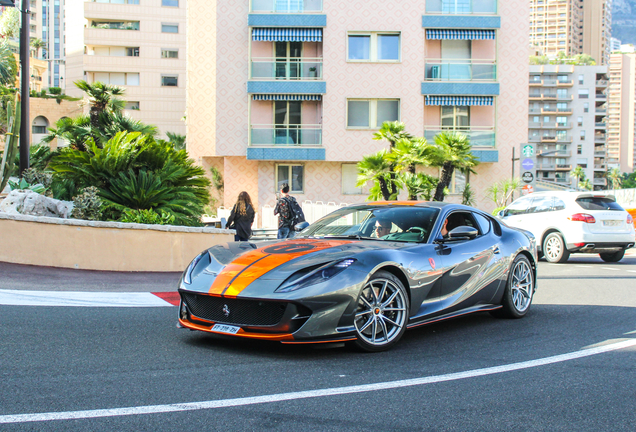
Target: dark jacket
284,212
241,223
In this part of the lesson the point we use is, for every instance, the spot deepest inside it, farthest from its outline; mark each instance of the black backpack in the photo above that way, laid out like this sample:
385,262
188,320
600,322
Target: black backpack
296,211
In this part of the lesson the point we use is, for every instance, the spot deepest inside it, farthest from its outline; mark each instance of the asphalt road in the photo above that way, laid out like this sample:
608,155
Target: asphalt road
68,359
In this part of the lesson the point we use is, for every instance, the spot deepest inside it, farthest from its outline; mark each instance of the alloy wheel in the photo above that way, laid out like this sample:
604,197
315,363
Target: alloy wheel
381,313
522,286
553,247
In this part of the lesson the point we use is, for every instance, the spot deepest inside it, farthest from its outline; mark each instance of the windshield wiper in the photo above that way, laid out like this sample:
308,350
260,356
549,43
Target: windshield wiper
354,236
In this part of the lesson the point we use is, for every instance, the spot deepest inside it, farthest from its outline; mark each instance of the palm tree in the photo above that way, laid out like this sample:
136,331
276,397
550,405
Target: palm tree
586,184
177,140
451,151
408,154
578,174
377,168
37,43
8,65
103,98
418,184
392,132
614,175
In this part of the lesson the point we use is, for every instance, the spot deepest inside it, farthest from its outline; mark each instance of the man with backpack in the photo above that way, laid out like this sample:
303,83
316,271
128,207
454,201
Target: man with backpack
289,213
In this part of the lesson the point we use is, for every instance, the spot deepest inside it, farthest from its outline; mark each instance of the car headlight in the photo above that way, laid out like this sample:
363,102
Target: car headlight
320,274
196,266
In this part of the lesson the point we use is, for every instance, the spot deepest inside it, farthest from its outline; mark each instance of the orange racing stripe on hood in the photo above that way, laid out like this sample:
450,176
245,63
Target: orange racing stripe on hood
244,270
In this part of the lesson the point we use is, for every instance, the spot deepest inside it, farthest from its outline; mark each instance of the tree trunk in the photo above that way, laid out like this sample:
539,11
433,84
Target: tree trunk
412,169
444,181
384,189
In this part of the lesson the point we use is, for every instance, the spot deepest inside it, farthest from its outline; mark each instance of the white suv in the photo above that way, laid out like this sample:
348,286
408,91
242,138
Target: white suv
567,222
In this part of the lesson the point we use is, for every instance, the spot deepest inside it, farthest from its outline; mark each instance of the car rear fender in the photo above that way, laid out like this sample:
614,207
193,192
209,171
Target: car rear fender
547,233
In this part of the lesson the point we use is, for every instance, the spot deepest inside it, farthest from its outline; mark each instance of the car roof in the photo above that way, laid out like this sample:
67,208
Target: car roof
437,204
571,195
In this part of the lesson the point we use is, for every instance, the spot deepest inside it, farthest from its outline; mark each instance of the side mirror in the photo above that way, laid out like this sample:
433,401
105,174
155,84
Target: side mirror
500,214
460,233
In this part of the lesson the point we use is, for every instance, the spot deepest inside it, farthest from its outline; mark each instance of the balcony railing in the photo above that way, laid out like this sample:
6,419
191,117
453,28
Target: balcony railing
286,135
287,69
479,136
486,7
461,70
286,6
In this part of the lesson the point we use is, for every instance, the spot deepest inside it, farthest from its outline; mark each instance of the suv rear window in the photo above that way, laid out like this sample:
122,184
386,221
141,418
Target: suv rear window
593,203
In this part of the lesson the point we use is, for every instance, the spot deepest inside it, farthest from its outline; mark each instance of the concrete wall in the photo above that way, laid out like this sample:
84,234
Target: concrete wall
110,246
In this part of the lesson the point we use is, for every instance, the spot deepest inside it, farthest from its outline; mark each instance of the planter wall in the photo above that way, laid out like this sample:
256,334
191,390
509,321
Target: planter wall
112,246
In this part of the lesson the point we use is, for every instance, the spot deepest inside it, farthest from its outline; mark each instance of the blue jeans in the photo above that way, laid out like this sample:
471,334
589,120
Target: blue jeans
285,232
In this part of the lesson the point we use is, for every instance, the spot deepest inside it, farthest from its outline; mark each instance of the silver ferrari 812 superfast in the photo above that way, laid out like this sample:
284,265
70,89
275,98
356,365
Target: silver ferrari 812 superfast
364,273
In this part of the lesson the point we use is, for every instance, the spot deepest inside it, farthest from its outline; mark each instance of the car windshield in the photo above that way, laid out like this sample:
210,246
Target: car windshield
393,223
598,203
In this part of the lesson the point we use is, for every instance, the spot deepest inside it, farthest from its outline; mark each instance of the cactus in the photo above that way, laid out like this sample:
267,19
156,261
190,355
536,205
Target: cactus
11,143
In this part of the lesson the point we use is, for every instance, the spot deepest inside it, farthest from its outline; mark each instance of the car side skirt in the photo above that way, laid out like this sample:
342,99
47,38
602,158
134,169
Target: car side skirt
423,321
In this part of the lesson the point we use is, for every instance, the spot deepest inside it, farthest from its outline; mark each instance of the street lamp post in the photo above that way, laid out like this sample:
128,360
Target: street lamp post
25,123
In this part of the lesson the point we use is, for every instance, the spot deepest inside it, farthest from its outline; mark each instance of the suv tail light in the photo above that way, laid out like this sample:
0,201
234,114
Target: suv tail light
630,219
582,217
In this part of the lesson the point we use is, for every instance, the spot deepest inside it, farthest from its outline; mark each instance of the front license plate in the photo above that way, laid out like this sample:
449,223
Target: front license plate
611,223
223,328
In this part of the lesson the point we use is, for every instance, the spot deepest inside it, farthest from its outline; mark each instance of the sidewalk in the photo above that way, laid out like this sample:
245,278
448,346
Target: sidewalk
35,278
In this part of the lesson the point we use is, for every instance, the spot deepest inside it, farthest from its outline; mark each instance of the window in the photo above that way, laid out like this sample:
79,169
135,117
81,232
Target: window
132,52
562,78
582,135
518,207
562,121
579,121
169,28
116,25
584,93
169,80
562,93
562,106
455,117
293,175
579,149
132,106
586,107
349,180
536,119
373,47
371,113
40,125
541,204
169,53
458,182
170,3
580,79
483,222
546,119
39,129
117,78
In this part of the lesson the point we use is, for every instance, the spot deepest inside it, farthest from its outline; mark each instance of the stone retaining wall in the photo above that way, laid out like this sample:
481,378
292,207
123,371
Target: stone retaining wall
113,246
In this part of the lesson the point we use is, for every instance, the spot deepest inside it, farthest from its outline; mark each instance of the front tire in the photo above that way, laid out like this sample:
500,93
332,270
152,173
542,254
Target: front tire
382,313
554,249
519,291
613,256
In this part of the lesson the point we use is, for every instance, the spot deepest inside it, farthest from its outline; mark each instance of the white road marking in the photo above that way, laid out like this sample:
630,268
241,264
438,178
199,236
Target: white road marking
224,403
584,266
82,299
609,268
632,271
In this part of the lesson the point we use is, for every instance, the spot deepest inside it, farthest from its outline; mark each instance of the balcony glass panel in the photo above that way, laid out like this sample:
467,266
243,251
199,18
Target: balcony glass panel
461,6
116,25
286,6
301,69
461,70
291,135
478,136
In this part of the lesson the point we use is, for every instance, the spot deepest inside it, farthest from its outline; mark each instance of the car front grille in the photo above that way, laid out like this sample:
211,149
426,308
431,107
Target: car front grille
242,312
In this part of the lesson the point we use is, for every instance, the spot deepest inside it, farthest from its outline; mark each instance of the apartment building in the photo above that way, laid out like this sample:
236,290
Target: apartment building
621,148
571,26
139,45
292,91
567,121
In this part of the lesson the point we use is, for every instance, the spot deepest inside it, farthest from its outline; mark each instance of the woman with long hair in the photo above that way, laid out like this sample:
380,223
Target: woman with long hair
242,217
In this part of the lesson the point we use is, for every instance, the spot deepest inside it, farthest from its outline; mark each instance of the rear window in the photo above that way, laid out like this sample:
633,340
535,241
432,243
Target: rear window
594,203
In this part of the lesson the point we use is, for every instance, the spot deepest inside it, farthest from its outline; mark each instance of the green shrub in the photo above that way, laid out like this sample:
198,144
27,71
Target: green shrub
87,205
34,176
55,90
149,217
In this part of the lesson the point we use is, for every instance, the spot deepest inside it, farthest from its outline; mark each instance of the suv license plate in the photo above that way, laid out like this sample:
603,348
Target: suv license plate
611,223
223,328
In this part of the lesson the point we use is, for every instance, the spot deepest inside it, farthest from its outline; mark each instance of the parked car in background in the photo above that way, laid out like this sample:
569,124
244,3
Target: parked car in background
569,222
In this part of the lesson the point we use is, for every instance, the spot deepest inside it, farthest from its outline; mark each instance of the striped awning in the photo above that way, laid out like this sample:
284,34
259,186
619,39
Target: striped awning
287,34
459,100
287,97
469,34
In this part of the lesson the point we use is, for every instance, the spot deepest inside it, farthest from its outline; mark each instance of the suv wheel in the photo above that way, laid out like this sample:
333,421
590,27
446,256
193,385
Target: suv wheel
554,249
613,256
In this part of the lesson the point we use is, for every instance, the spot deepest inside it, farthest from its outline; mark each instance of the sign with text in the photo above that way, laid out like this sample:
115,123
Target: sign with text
528,167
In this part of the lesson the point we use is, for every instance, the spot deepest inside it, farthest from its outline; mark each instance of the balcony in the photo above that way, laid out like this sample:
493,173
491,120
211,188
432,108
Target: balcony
286,6
548,138
599,138
600,153
601,83
600,181
534,125
546,167
535,83
600,125
286,69
549,82
479,136
600,167
600,96
469,70
563,167
477,7
291,135
565,83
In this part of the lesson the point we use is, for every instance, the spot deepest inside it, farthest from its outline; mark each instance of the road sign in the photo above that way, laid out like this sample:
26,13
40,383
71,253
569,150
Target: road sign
527,177
527,164
527,189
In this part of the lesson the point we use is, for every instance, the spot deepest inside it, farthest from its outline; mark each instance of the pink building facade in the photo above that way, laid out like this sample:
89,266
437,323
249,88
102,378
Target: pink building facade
293,90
